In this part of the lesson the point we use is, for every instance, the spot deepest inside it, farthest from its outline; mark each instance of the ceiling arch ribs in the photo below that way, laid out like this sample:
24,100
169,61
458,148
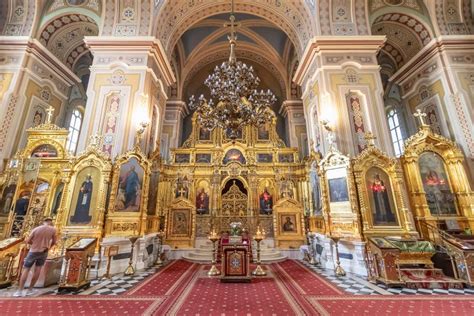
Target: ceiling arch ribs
294,21
406,35
260,43
245,51
64,36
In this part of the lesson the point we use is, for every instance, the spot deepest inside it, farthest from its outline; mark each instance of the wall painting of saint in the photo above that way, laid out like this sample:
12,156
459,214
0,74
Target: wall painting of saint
380,197
338,190
84,198
202,202
129,193
440,198
266,202
6,200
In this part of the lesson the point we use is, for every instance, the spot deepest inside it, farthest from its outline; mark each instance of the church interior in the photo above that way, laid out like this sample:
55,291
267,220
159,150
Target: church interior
237,157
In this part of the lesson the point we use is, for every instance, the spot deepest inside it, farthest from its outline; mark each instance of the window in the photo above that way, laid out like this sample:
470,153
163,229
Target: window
74,128
395,132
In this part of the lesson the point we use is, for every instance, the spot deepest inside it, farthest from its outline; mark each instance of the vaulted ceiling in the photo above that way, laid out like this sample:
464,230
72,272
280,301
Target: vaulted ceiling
260,43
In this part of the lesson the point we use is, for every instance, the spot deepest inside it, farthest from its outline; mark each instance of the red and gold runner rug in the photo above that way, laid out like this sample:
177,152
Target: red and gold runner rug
290,288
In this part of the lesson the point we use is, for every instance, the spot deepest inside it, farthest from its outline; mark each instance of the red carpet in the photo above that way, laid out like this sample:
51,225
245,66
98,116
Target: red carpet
183,288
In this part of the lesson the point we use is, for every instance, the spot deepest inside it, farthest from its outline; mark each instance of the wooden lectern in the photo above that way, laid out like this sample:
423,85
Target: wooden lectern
9,249
78,258
235,263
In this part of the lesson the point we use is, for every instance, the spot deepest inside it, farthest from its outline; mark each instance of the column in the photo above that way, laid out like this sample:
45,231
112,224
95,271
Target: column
292,111
129,79
172,132
31,79
341,85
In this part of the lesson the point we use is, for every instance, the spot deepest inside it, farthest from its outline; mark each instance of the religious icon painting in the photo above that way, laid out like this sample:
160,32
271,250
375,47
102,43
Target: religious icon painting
129,194
288,224
381,200
58,193
182,158
265,200
44,151
153,192
286,158
234,155
203,158
180,222
238,134
204,134
202,201
439,196
41,186
265,158
84,196
6,199
338,190
263,133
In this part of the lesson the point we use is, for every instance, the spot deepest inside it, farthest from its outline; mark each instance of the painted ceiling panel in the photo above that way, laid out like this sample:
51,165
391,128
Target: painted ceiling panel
191,38
240,37
274,36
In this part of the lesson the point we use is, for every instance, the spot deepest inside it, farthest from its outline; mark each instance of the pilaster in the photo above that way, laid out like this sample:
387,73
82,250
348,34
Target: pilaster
341,84
439,80
31,79
292,111
172,133
127,86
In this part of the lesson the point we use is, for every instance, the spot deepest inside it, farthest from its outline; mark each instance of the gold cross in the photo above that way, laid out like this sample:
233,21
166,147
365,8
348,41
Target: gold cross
370,138
420,115
182,191
232,23
49,117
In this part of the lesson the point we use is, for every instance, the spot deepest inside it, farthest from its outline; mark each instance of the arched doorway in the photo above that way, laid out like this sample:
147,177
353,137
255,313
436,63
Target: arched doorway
234,199
235,206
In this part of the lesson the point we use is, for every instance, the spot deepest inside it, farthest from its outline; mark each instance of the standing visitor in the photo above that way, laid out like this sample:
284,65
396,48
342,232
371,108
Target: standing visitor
41,239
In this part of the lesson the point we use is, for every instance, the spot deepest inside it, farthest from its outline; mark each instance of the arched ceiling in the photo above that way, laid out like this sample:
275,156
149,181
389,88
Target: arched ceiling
290,16
63,25
261,43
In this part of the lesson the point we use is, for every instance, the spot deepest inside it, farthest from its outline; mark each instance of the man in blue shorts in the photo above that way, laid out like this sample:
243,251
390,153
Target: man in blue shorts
41,239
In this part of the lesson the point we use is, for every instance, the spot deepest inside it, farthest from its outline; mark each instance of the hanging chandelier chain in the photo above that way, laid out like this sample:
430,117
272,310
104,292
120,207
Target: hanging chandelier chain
235,101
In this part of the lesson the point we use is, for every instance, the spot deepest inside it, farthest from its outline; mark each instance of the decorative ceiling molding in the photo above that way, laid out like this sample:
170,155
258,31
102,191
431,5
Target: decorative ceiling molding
64,36
244,51
290,16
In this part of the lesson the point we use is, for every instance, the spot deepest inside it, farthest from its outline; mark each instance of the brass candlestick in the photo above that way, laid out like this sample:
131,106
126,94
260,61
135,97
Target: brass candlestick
214,237
130,270
259,236
339,270
159,236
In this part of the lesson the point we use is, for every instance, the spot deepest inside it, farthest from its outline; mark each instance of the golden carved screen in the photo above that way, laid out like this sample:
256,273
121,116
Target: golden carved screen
234,202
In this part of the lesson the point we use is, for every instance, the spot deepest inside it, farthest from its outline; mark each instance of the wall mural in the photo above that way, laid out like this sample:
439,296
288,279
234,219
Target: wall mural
440,198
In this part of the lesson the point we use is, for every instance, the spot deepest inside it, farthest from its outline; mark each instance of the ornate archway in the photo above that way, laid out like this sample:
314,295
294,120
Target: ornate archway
234,200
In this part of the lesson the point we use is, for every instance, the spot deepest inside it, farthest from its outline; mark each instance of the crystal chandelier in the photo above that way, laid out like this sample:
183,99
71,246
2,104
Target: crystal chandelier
235,101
